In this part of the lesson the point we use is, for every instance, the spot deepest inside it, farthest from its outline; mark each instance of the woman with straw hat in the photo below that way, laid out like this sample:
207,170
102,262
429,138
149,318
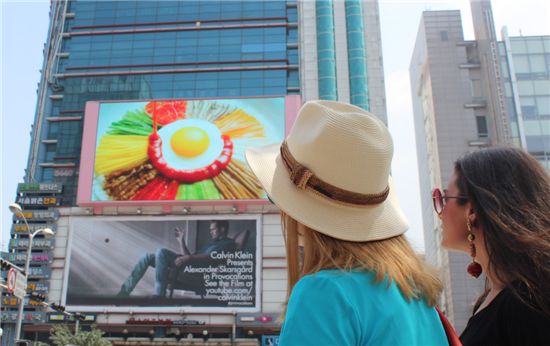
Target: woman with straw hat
358,282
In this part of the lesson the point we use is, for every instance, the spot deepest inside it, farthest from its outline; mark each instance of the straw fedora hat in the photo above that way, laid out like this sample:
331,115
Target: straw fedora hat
332,173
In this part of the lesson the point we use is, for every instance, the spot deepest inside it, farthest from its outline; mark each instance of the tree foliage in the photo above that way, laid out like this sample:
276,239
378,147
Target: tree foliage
61,335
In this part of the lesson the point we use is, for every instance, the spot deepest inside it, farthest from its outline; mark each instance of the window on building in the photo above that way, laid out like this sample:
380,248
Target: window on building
508,89
538,144
504,69
521,64
543,106
501,49
542,87
526,88
444,35
538,63
482,130
47,175
292,15
529,112
534,45
53,130
518,46
477,91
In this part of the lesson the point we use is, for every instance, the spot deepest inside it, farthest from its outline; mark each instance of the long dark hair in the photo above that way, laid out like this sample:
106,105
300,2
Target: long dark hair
510,193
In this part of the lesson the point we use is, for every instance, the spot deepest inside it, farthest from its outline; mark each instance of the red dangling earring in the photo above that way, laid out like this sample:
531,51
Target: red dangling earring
474,268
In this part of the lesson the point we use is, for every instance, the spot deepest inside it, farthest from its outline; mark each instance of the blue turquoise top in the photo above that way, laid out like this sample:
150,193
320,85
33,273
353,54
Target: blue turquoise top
334,307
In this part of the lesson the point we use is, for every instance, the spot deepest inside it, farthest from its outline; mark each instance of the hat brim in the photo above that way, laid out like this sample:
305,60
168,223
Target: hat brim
341,221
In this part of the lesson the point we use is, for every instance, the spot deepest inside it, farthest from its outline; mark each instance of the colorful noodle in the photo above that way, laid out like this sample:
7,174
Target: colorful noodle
120,153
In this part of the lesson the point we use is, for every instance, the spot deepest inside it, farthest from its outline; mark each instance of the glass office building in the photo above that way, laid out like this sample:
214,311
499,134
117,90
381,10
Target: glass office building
525,65
126,50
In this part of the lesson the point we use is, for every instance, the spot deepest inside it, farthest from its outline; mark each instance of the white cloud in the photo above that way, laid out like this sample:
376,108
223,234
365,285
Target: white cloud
529,16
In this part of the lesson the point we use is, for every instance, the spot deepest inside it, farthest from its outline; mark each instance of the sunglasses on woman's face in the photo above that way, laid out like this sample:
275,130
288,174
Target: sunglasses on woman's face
440,200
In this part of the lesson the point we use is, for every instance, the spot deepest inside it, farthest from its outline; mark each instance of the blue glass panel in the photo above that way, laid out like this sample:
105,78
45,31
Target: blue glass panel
105,6
356,54
275,55
143,51
205,92
161,94
125,5
275,91
275,74
209,76
186,77
164,11
143,14
165,59
274,5
229,83
252,6
142,60
179,85
206,84
84,5
213,41
251,48
119,53
252,56
275,82
229,92
251,91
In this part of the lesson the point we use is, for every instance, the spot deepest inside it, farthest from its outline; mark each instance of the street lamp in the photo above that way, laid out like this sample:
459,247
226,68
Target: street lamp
48,233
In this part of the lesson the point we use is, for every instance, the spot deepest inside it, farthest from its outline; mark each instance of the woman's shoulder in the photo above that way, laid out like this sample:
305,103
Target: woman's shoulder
512,304
321,291
338,276
342,280
521,321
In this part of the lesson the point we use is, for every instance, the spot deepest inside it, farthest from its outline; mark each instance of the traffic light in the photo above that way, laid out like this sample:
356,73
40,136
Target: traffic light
23,343
37,297
5,265
79,316
57,307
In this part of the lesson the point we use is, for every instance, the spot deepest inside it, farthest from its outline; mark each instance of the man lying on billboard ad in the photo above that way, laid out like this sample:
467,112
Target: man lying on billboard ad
194,263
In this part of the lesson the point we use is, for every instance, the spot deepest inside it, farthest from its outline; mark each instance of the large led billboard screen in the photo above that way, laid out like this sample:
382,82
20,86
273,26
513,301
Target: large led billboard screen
177,150
200,264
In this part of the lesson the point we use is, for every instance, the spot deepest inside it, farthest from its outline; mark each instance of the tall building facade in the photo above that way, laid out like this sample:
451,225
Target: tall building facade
466,97
458,104
190,54
525,65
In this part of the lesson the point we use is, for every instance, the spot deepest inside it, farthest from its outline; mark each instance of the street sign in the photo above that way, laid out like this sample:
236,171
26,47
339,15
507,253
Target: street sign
11,280
39,188
20,286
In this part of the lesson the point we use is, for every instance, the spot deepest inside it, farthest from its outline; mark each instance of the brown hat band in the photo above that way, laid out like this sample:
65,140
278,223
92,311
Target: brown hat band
304,179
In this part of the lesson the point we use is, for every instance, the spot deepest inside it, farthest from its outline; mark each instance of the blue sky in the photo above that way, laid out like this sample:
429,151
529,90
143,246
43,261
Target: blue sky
24,30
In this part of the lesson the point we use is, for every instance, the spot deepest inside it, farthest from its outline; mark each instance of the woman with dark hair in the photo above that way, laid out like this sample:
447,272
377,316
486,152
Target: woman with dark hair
496,208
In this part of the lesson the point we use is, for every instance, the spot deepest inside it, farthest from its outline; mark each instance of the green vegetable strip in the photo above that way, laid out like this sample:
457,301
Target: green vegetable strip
133,123
202,190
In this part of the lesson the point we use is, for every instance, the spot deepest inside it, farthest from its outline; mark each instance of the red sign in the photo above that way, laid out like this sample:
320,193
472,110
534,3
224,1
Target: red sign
12,275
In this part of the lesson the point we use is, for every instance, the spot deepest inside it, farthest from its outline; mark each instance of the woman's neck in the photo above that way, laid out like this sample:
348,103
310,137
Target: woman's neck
495,284
483,259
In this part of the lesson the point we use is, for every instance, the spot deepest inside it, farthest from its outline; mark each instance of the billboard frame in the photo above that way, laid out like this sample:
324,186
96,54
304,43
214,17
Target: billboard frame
167,309
88,151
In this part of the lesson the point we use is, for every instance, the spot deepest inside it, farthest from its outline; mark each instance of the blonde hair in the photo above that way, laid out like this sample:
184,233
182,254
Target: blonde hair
391,258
